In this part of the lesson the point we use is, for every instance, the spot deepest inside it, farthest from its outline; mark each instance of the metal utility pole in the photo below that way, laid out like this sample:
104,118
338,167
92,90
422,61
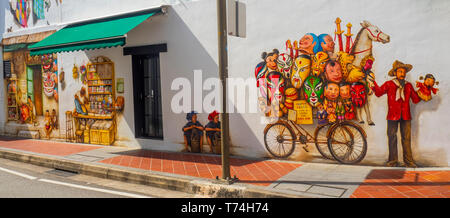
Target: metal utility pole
223,74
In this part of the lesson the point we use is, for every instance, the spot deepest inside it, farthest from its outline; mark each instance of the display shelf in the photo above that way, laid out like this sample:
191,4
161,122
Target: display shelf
12,109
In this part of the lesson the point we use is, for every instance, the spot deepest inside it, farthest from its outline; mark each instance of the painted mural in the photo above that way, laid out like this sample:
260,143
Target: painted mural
315,81
193,132
22,9
96,107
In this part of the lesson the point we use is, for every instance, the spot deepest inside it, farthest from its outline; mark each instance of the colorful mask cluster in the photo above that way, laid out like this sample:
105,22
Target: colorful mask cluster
310,71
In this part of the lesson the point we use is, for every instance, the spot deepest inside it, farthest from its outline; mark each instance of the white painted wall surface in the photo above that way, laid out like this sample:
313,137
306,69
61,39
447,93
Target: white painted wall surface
417,34
3,116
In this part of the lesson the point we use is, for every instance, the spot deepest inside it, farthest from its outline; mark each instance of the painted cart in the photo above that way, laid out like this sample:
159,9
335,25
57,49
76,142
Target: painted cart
345,142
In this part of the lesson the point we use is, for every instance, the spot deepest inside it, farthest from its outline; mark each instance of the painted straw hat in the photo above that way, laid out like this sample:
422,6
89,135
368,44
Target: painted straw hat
398,64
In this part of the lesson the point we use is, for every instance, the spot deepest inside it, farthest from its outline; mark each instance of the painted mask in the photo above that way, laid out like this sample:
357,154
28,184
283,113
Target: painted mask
327,43
260,74
345,91
307,44
333,72
359,94
301,71
275,86
319,62
284,64
313,88
271,61
332,91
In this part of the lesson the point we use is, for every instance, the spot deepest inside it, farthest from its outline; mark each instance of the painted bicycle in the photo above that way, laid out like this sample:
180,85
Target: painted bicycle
345,142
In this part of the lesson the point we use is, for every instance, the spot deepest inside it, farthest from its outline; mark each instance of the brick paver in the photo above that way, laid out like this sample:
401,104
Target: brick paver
405,184
45,147
262,173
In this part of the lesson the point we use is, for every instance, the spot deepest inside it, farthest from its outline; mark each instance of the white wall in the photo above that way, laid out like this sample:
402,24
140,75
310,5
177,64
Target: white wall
2,83
417,30
417,34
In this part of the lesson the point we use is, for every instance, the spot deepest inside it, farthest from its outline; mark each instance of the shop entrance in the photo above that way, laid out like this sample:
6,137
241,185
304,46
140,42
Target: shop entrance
34,84
147,96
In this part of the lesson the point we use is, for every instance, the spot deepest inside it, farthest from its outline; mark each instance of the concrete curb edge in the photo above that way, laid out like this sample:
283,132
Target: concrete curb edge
198,187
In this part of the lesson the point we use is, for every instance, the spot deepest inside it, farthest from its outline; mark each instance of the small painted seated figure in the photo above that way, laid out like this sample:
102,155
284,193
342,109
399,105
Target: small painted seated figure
340,111
193,134
331,110
213,132
346,98
322,115
427,87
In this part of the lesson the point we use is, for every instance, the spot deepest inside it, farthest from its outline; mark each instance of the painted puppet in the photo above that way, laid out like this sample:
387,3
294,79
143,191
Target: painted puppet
346,98
322,115
427,87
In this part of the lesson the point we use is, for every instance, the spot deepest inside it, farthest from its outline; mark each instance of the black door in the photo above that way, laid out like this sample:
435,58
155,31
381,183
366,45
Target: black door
147,97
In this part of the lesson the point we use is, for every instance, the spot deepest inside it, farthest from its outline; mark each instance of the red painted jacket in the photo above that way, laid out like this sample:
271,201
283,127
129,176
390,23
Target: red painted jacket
397,109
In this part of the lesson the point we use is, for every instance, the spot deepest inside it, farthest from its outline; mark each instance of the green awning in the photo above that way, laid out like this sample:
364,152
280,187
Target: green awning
103,33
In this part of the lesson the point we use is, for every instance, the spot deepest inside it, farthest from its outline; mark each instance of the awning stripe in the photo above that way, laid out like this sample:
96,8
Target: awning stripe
80,46
102,33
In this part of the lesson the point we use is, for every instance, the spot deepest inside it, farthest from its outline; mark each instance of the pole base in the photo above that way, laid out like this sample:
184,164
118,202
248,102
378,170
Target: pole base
227,181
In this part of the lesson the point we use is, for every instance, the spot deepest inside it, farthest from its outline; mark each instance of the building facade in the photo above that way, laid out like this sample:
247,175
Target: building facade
135,88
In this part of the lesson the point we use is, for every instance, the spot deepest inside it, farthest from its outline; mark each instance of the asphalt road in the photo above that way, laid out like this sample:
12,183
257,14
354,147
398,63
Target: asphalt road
19,180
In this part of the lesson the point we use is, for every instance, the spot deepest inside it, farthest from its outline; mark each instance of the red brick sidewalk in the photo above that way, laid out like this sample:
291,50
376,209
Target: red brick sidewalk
262,173
405,184
45,147
378,184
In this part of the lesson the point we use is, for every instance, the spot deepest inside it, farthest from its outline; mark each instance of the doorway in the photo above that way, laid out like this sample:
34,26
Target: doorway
147,96
34,85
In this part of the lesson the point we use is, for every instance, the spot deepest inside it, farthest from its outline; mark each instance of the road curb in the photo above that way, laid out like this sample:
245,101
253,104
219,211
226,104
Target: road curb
205,188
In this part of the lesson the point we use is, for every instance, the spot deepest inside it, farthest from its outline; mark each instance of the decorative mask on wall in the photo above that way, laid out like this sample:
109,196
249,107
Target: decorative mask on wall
344,90
333,72
260,75
319,62
275,86
332,91
308,43
301,71
285,65
50,74
326,42
359,94
271,59
313,88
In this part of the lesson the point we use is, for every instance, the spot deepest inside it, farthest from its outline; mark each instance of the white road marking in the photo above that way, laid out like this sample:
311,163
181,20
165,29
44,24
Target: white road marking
94,189
73,185
18,174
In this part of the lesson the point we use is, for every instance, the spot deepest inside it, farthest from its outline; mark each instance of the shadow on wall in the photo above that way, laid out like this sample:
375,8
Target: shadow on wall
430,157
184,49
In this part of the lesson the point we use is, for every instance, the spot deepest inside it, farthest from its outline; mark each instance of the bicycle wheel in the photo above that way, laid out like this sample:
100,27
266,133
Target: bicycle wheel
280,140
347,143
321,141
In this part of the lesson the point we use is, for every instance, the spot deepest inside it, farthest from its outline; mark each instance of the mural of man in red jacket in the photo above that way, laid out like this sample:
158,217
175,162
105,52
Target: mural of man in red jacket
399,93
